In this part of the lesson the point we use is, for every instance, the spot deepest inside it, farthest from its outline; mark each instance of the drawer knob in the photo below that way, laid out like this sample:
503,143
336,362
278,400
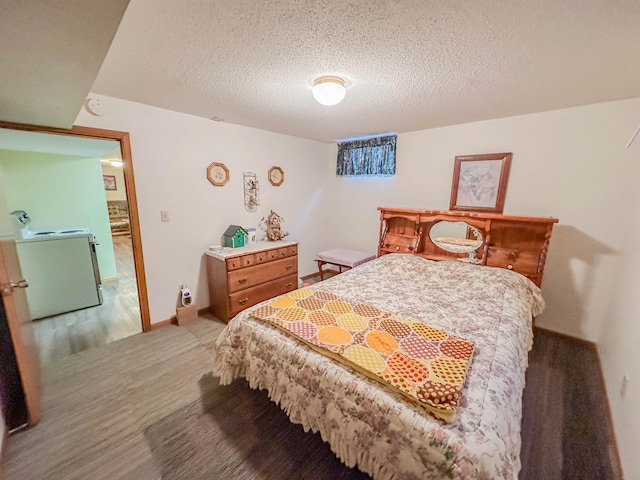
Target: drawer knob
397,248
289,267
243,280
411,248
260,257
243,301
386,245
510,267
288,285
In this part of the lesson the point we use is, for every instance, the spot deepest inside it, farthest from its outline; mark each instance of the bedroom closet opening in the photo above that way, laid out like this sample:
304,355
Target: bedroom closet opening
71,203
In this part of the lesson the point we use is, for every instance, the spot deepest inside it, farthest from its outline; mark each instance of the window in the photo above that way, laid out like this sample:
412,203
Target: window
371,156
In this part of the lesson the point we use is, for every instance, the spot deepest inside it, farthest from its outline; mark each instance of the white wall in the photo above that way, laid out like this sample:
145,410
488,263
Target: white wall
60,191
571,164
171,152
620,339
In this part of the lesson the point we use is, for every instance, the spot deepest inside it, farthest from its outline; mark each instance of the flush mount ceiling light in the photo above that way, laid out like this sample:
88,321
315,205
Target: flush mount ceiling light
116,163
329,90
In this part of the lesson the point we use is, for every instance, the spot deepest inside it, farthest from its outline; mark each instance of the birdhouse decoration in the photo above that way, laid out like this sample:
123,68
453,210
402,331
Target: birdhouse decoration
234,236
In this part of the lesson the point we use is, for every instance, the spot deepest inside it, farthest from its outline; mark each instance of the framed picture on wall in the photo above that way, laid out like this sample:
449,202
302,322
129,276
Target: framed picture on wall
480,182
109,182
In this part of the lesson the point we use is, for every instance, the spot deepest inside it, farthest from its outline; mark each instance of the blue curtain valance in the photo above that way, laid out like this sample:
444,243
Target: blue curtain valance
372,156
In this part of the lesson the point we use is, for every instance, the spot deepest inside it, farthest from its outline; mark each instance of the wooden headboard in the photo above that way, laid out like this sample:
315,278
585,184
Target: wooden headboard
515,243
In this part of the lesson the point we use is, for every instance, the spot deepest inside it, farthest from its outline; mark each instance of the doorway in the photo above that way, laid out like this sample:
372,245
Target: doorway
124,295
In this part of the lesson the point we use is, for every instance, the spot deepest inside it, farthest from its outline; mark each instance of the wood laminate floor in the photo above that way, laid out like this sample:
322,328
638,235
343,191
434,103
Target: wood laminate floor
100,405
118,317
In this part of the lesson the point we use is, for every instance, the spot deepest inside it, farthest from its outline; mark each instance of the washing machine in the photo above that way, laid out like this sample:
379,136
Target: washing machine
62,270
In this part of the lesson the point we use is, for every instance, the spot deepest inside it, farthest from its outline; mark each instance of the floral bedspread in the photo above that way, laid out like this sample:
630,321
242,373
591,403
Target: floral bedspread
377,429
425,364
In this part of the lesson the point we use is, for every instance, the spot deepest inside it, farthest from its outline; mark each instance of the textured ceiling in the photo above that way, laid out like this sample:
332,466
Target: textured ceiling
408,64
50,54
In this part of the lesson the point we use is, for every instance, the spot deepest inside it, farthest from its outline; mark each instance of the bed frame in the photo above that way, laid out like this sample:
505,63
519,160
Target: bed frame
515,243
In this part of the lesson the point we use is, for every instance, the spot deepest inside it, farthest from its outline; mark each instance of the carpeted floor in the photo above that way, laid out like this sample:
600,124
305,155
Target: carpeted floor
238,433
147,407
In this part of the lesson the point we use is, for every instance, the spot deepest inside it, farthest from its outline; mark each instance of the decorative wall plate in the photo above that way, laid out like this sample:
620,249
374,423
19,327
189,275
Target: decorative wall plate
218,174
276,176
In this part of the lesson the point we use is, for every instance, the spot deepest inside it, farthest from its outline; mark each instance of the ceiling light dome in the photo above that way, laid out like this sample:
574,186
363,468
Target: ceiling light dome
329,90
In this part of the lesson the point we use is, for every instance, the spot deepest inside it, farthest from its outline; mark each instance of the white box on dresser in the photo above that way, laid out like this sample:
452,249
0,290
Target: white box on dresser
242,277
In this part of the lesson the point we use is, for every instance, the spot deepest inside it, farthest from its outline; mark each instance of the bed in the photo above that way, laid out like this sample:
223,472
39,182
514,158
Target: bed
377,429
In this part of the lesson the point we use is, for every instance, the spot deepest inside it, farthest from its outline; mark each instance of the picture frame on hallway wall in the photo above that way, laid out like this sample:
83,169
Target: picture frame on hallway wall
109,182
480,182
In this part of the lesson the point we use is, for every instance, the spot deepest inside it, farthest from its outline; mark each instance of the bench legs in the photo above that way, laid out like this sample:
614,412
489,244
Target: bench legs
322,262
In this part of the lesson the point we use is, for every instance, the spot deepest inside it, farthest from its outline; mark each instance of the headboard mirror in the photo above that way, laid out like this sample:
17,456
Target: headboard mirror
492,239
457,237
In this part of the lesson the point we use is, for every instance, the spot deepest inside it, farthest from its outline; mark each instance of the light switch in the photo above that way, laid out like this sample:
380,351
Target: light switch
164,215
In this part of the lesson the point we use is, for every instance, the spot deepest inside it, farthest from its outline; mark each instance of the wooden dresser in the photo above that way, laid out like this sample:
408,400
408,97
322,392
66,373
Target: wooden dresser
241,277
514,243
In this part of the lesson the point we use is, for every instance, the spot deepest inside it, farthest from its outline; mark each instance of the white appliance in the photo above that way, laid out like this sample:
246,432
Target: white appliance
62,271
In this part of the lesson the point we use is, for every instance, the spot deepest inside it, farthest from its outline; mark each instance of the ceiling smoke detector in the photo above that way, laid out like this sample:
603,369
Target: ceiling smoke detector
94,106
329,90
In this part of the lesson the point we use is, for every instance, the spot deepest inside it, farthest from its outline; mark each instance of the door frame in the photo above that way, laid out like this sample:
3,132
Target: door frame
136,239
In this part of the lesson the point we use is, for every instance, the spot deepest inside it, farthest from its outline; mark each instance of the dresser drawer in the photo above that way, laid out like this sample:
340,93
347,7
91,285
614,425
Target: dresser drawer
246,298
234,263
284,252
257,274
525,263
395,243
262,257
243,261
280,252
248,260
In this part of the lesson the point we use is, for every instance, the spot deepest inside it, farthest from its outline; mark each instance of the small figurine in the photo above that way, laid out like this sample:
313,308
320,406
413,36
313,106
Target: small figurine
273,227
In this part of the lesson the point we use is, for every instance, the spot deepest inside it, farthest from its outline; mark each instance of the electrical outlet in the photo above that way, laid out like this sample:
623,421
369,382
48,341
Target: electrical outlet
624,385
164,215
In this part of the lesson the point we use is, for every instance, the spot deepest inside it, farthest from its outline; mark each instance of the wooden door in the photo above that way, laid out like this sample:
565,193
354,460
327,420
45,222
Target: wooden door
14,299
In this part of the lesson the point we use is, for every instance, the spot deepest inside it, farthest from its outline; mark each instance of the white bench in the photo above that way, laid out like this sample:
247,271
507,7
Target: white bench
342,258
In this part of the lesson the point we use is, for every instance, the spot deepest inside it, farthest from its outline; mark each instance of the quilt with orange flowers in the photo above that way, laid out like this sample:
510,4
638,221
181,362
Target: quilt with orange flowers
426,365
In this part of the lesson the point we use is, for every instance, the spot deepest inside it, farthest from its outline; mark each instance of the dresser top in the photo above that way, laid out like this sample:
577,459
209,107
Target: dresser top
228,252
